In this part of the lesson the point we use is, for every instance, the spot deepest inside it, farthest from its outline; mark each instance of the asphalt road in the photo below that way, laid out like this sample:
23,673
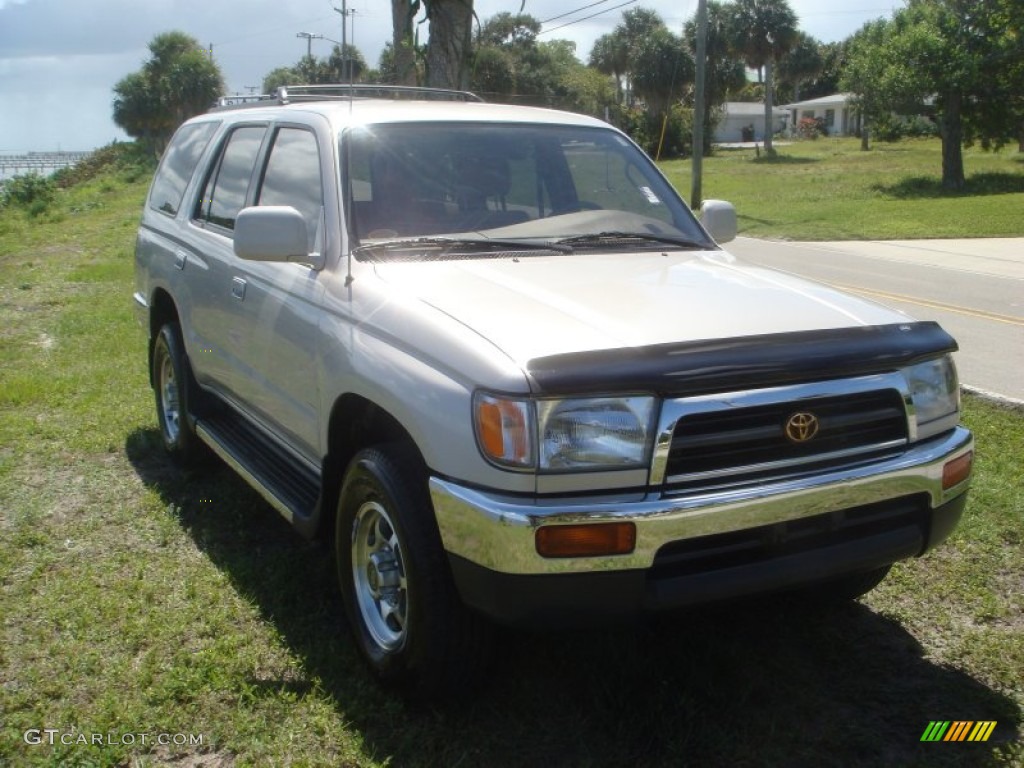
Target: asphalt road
973,288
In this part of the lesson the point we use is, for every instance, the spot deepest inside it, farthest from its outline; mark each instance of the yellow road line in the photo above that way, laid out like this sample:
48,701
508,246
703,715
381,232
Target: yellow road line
980,313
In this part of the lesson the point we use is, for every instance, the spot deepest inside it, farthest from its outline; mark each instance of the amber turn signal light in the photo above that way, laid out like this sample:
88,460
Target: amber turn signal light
957,470
586,540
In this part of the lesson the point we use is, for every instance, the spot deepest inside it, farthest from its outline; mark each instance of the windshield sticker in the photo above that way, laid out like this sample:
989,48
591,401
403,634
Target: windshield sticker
649,194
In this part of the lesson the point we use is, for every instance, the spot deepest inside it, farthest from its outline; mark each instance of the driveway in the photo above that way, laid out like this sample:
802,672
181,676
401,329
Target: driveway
974,288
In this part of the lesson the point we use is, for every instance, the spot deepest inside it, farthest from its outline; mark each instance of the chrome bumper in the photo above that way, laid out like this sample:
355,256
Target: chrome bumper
497,532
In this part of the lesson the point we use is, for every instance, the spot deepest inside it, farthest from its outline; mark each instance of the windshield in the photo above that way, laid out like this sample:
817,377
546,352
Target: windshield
531,184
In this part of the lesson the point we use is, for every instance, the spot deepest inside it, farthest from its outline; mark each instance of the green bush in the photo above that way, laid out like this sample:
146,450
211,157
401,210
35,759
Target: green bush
130,158
645,128
891,128
30,191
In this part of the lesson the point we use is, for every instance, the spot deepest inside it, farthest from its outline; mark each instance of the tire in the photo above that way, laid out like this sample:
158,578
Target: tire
173,386
405,613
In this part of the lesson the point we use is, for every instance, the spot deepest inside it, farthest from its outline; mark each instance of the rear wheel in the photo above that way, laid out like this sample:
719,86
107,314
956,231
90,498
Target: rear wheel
172,376
404,610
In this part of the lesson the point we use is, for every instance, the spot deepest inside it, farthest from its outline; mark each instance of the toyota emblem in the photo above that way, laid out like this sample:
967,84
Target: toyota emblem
802,426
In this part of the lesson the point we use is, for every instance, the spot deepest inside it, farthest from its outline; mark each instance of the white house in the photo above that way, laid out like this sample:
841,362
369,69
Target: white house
837,112
744,121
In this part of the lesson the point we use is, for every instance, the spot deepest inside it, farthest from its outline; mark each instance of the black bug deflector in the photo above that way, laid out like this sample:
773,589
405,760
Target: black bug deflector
700,367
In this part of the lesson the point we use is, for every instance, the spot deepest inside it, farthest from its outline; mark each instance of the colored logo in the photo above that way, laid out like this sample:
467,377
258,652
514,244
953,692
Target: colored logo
802,427
958,730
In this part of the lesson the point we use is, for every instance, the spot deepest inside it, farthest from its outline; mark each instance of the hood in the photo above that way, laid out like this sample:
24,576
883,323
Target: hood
537,306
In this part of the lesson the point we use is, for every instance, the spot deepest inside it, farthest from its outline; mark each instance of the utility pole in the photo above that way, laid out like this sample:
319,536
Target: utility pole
698,107
346,70
310,37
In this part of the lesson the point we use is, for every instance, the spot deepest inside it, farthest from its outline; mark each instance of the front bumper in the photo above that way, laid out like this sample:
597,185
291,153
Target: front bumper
490,536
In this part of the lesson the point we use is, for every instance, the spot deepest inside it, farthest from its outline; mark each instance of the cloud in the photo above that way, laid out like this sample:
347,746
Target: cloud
59,59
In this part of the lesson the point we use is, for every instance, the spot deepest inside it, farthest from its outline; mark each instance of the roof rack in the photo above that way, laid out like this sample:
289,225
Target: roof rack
292,94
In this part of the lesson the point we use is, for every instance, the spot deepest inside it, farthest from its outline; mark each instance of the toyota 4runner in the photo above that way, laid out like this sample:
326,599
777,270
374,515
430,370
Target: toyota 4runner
489,353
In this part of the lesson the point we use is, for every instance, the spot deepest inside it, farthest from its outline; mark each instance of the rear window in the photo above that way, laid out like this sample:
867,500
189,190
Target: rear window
177,166
225,192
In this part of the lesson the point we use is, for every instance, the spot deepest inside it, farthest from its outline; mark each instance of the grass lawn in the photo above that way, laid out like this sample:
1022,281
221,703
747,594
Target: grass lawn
138,600
830,190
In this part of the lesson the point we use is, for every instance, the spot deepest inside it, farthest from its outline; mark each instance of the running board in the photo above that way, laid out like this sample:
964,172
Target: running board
288,486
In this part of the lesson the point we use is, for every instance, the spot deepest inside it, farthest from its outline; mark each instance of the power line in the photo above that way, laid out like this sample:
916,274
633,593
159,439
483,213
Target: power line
576,10
846,12
591,16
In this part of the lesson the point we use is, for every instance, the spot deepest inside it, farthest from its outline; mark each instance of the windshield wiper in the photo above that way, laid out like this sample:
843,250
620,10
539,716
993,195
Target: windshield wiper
613,237
425,248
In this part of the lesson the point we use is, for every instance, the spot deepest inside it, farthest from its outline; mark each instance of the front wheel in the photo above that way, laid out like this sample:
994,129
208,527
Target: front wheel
401,603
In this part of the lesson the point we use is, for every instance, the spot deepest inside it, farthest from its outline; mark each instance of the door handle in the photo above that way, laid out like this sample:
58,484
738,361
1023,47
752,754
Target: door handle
180,257
238,288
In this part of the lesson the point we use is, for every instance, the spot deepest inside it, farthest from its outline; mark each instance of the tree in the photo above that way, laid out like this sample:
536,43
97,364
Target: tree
762,31
723,72
136,106
180,80
281,76
505,29
402,65
799,64
448,47
509,64
610,56
313,70
347,65
663,70
616,52
863,73
827,81
579,88
963,57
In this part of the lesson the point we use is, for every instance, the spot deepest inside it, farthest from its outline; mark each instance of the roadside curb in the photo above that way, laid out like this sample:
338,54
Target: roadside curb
1001,400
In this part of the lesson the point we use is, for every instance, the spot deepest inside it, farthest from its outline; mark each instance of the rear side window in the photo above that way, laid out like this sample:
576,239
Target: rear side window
293,177
225,190
178,165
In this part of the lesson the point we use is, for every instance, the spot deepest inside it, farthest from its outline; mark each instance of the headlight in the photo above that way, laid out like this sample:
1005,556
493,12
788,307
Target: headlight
594,432
572,434
935,394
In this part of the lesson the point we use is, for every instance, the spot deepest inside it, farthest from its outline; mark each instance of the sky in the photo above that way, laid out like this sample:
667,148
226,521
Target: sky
60,59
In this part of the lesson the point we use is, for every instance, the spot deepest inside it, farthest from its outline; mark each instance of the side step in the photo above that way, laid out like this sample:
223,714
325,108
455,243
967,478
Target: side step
292,488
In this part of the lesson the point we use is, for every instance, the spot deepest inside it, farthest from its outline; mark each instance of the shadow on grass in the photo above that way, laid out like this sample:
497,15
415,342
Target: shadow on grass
766,683
746,220
784,160
978,184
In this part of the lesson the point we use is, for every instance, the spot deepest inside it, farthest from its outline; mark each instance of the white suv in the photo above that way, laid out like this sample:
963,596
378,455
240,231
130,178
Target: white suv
490,352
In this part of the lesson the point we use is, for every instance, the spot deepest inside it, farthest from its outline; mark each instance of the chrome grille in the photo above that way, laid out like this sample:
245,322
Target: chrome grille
733,441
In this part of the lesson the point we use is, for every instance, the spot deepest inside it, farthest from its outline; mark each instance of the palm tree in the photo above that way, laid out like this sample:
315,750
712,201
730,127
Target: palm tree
723,72
610,56
801,63
178,81
762,31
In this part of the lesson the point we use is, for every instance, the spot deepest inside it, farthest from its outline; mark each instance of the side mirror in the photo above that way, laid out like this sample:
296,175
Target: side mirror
273,233
719,219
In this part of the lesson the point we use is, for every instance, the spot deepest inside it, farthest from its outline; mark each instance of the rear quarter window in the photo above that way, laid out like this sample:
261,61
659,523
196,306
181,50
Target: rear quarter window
177,166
